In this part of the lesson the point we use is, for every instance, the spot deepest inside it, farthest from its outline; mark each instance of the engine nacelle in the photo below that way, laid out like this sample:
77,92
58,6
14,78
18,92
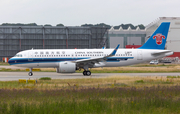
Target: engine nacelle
66,67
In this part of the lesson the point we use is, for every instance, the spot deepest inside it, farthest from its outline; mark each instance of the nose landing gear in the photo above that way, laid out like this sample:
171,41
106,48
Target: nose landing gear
30,72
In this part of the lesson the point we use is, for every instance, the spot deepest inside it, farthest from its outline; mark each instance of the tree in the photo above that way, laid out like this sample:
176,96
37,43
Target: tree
47,25
60,24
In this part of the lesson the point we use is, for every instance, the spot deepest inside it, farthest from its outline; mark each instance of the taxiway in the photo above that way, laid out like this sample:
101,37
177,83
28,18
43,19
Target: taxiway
7,76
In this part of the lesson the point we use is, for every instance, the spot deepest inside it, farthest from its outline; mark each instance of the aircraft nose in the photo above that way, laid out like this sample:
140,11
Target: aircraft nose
10,61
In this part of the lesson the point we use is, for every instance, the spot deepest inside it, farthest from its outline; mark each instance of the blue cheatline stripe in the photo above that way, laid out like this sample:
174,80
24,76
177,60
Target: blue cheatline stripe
15,61
42,60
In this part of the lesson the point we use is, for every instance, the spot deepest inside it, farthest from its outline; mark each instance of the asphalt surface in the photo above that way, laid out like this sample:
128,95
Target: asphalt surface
7,76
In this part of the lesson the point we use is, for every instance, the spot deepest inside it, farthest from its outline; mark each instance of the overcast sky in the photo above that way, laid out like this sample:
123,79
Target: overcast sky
78,12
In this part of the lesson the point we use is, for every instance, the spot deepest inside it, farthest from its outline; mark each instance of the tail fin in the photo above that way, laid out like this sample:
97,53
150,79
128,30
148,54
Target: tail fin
158,38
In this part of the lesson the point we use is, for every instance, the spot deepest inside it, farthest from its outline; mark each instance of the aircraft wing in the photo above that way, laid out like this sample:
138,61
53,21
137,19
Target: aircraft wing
94,60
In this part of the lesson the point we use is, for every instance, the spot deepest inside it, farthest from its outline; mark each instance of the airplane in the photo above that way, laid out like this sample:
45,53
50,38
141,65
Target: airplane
70,60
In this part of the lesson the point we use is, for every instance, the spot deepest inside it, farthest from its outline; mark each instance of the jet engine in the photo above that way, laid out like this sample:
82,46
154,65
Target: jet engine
66,67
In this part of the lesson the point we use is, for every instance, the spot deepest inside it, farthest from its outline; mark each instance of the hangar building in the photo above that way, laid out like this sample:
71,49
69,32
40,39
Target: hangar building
126,37
17,38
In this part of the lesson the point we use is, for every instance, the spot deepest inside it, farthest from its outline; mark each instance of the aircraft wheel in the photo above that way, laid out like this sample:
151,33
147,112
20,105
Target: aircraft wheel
88,73
30,73
84,73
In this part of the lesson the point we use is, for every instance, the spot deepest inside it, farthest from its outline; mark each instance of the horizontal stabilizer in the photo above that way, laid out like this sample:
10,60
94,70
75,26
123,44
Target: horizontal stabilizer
160,53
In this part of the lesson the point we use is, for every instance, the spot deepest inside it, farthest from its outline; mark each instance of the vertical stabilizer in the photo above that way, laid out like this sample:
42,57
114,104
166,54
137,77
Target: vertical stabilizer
158,38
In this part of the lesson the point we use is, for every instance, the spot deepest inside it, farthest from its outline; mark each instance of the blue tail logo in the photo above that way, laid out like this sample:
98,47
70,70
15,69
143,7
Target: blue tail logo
158,38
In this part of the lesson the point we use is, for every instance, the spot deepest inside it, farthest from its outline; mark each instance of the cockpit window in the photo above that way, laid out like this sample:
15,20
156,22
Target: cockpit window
18,55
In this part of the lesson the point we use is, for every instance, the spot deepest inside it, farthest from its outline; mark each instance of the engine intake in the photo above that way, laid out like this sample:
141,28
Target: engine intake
66,67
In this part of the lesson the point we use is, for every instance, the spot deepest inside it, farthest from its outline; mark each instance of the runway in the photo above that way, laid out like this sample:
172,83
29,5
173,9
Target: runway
10,76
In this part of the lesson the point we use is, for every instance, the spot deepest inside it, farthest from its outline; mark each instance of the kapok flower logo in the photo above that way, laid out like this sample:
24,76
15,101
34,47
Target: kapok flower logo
159,38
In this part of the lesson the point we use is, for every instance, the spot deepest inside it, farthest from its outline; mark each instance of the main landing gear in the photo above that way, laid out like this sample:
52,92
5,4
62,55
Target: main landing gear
87,73
30,72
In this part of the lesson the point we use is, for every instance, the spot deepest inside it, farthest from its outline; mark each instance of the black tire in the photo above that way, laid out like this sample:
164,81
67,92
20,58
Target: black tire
88,73
30,73
84,73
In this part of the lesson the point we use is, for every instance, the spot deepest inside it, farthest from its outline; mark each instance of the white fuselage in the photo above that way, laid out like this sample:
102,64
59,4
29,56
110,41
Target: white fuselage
44,58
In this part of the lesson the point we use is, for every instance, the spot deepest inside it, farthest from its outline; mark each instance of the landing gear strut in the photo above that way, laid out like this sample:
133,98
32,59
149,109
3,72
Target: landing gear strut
87,73
30,72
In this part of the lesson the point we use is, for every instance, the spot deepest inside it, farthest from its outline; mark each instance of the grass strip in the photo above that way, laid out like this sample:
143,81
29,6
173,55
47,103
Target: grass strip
45,78
142,95
145,100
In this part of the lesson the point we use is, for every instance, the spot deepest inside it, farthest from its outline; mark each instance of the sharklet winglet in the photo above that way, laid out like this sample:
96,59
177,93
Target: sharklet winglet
114,51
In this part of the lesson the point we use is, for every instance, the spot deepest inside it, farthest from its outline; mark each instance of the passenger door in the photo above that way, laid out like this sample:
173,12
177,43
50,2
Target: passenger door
30,56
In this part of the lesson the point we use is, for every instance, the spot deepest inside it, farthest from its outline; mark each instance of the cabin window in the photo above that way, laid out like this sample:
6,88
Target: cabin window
18,55
47,53
52,53
41,52
36,52
57,53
